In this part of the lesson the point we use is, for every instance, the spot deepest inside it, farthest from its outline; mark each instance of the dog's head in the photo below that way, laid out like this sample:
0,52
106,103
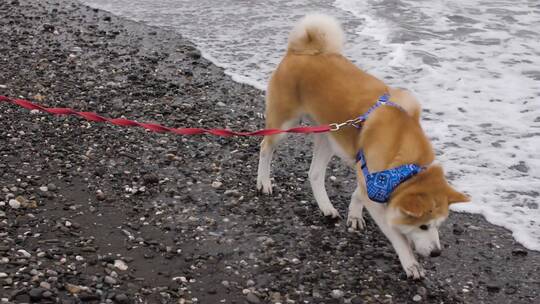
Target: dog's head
420,205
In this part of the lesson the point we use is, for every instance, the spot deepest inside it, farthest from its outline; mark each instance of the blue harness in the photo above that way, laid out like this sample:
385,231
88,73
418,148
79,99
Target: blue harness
381,184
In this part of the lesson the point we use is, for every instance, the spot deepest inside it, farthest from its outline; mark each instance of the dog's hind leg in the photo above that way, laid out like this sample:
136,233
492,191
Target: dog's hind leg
268,146
281,113
322,153
355,219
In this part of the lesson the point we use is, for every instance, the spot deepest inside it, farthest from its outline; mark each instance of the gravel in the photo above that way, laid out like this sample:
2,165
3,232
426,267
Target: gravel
182,213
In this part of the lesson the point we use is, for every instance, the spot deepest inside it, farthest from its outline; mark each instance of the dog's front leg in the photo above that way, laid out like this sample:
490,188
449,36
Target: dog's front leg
399,242
355,219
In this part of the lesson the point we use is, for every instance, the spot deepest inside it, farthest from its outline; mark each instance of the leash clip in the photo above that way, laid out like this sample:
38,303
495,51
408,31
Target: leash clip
357,123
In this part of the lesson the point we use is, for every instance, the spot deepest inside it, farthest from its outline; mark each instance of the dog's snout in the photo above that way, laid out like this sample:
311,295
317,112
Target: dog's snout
435,253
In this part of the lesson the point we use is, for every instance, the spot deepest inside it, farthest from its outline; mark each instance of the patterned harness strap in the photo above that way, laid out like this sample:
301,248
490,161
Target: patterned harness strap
381,184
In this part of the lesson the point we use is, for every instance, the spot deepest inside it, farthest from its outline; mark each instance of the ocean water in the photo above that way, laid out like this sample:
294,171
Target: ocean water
474,65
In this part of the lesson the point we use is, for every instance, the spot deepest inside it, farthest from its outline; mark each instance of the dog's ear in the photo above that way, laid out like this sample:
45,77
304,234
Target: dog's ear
415,205
455,196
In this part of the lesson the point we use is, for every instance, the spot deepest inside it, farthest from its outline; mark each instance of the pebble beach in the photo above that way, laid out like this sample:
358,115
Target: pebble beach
93,213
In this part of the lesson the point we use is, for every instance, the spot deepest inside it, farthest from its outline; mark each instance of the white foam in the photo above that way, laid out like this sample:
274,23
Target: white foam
473,64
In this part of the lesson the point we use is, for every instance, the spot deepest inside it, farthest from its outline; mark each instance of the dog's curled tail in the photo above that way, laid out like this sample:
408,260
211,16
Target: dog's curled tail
315,34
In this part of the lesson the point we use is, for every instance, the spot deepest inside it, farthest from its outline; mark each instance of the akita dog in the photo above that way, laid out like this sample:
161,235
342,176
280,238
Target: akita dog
405,193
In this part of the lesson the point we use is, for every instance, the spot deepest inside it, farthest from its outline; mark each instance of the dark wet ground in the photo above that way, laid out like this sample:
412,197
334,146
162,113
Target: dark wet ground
182,213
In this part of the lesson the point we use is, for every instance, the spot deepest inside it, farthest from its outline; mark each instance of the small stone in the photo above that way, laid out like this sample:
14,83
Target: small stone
216,184
67,224
337,294
250,283
73,289
194,54
519,252
357,300
417,298
14,204
44,188
47,294
45,285
510,290
233,193
87,297
121,265
225,284
100,195
109,280
52,187
35,293
150,179
24,253
3,275
48,27
221,104
252,298
51,273
121,298
493,287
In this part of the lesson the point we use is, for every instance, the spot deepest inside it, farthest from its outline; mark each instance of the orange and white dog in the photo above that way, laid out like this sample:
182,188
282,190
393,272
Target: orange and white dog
315,81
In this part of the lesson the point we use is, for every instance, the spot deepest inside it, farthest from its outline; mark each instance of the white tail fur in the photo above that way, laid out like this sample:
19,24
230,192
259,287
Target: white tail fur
316,33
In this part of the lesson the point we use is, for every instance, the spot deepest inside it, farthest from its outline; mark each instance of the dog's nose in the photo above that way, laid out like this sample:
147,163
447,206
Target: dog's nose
435,253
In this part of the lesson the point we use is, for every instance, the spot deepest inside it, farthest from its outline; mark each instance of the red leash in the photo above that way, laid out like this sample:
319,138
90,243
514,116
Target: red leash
159,128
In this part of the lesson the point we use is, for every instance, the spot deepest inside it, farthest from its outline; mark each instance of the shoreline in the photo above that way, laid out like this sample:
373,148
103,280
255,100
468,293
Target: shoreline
182,213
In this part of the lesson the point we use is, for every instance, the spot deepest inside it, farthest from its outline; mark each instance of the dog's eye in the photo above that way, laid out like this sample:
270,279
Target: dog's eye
424,227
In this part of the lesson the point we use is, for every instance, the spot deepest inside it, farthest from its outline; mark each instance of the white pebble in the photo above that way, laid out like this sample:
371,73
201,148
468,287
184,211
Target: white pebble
14,204
44,188
3,275
417,298
181,279
25,253
337,294
216,184
121,265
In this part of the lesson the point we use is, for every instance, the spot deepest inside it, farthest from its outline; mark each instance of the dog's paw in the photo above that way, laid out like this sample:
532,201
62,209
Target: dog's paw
330,211
355,222
415,271
264,186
